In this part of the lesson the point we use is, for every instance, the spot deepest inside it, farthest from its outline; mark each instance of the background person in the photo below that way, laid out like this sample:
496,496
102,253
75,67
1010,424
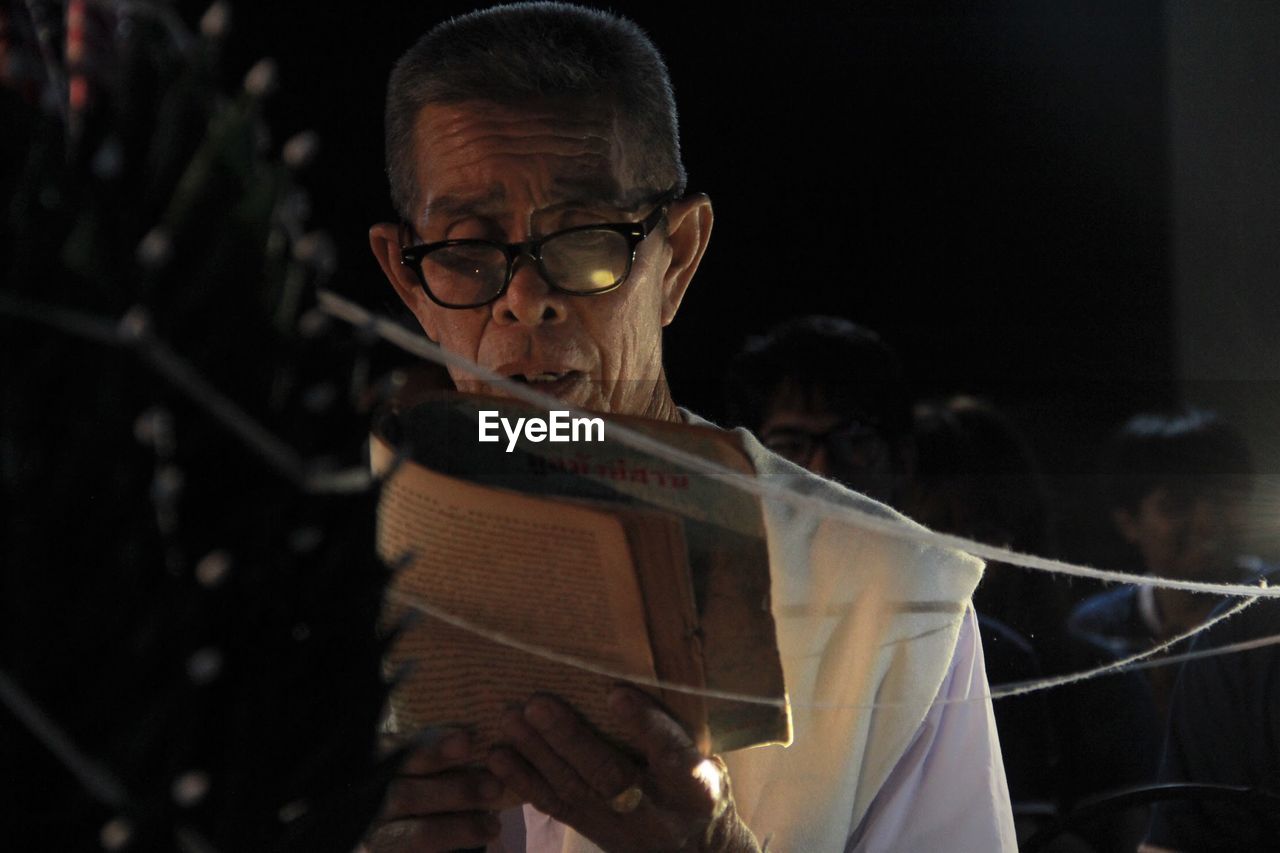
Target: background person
1177,488
830,396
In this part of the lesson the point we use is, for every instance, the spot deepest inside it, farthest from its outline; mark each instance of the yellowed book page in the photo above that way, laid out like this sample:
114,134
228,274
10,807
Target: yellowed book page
724,531
549,575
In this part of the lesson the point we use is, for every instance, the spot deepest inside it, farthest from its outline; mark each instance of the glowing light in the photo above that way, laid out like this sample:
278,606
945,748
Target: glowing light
602,277
708,773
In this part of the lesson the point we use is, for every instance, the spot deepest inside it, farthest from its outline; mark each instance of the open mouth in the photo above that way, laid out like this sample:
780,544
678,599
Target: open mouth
549,382
537,378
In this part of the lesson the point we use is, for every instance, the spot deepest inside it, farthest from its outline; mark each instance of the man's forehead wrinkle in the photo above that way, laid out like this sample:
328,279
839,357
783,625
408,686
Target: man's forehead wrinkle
533,145
575,158
593,185
568,113
465,122
461,202
584,176
471,154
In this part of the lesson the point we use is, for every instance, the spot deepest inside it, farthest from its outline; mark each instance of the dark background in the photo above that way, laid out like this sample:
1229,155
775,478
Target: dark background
988,185
1069,207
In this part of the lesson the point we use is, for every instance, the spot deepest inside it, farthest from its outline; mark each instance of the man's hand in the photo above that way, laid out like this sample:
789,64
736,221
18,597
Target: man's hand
672,799
437,802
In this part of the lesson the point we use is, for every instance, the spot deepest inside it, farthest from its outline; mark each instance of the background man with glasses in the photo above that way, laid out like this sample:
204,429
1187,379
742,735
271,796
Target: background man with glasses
830,396
547,235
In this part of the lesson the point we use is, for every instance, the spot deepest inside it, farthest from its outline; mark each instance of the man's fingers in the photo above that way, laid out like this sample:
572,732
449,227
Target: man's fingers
606,770
519,777
437,833
436,750
564,782
450,791
436,804
671,755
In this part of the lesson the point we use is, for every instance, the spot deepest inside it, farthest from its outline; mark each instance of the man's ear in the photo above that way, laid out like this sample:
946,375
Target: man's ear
688,231
384,240
1126,524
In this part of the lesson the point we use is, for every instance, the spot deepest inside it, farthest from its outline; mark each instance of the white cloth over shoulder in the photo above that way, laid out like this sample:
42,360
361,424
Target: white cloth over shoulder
864,618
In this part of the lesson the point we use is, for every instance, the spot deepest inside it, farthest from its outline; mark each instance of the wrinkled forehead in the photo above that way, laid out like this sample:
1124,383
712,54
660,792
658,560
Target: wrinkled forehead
479,156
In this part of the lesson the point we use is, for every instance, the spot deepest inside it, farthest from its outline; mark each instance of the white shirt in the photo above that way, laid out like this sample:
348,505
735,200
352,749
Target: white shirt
948,791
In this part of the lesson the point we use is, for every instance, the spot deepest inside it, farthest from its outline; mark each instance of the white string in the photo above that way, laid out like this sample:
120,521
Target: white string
284,458
416,344
1141,660
1123,664
1214,651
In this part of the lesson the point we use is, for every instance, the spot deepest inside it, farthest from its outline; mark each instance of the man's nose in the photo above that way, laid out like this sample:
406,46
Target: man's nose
529,299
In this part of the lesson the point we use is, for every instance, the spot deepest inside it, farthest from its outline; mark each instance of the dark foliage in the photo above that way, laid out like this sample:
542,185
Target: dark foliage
181,596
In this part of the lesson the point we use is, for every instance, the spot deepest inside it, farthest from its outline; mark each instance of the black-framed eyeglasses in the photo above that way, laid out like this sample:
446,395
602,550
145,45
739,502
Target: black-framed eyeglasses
583,260
850,440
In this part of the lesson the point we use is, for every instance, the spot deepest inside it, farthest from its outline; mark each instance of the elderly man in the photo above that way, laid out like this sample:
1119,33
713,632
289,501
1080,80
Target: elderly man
547,235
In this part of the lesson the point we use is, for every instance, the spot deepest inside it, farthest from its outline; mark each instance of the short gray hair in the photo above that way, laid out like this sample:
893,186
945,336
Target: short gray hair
523,52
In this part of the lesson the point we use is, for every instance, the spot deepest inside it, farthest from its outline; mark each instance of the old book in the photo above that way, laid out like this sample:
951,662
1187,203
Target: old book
567,567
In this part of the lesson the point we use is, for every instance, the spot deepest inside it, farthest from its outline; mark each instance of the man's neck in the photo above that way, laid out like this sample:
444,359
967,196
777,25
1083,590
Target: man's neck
660,406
